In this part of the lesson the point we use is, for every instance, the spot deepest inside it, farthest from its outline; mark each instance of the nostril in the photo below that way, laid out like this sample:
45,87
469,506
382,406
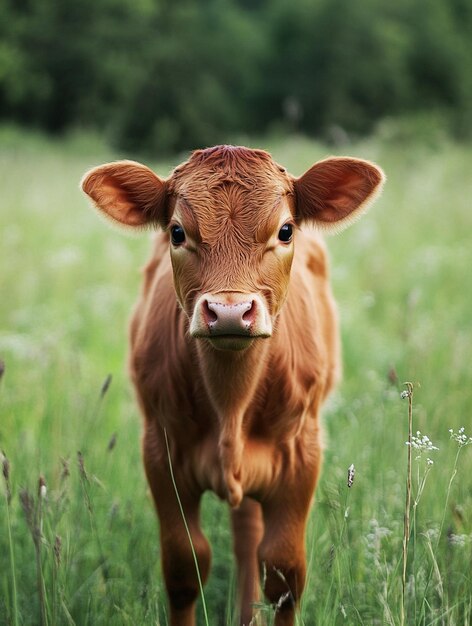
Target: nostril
250,314
210,316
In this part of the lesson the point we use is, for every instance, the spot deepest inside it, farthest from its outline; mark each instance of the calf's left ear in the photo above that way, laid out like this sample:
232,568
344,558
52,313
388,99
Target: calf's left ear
336,191
127,192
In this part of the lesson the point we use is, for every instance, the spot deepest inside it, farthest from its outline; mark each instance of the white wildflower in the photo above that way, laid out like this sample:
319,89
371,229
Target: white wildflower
432,534
374,540
460,436
459,540
422,443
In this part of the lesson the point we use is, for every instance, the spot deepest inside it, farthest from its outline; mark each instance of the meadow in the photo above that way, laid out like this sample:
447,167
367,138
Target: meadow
78,534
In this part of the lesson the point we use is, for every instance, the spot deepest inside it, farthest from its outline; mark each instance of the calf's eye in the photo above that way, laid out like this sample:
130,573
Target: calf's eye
177,235
286,233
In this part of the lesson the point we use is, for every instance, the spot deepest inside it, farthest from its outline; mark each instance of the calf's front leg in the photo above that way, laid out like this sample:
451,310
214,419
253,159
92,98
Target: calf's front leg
283,563
178,563
282,555
247,533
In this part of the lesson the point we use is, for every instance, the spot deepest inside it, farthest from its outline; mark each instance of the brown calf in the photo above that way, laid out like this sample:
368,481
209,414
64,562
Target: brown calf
234,347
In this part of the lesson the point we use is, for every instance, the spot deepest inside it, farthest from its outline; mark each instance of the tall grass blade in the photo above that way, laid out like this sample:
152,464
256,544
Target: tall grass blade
200,584
6,476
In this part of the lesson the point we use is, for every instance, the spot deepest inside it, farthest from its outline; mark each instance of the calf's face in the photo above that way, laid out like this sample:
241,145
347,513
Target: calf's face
231,235
232,214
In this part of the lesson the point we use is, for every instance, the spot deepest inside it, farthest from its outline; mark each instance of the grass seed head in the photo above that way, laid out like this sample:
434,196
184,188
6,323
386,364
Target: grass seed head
57,550
65,472
27,504
80,460
112,442
106,385
351,472
393,376
6,475
5,466
42,489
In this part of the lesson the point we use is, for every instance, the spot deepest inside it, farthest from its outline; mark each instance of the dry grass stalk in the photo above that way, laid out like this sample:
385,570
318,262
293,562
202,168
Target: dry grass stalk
408,393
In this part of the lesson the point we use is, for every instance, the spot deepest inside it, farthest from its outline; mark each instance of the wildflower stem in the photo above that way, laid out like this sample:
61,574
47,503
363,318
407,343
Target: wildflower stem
343,550
448,493
441,526
406,520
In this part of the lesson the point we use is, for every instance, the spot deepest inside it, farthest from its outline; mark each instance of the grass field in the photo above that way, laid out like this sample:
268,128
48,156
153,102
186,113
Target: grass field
82,549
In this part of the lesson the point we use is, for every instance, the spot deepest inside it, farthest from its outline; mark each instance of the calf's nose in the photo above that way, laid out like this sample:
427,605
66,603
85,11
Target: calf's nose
230,314
229,319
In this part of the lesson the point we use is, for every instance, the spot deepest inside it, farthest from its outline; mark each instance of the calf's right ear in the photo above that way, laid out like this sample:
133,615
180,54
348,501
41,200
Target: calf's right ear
127,192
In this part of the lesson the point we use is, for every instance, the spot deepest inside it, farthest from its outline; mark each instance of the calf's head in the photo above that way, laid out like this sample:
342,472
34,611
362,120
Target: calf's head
232,216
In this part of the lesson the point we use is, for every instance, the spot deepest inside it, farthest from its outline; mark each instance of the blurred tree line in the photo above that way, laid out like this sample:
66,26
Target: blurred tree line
162,75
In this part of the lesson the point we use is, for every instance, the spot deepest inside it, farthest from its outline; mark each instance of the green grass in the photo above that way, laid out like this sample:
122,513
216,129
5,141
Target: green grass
402,278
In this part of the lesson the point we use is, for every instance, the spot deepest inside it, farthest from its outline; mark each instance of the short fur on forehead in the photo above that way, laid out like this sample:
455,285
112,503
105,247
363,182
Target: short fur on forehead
230,164
228,186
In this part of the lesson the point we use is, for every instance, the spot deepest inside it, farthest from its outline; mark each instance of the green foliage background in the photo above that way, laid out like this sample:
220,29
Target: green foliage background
160,76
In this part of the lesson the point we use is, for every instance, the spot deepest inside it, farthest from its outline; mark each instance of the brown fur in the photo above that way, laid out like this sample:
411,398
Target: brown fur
243,423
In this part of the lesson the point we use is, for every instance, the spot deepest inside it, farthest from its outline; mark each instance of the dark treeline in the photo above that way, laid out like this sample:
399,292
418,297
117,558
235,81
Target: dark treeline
161,75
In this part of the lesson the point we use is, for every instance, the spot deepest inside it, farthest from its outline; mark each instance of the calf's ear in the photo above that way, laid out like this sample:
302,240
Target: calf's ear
128,192
336,191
